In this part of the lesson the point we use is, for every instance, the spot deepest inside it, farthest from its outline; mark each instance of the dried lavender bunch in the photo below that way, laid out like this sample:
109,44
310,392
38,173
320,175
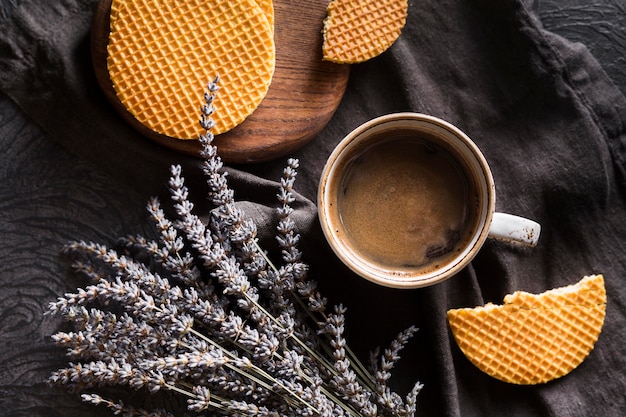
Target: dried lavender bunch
201,312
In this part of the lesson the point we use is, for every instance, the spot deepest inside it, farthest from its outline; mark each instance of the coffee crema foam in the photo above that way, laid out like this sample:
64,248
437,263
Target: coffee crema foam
405,203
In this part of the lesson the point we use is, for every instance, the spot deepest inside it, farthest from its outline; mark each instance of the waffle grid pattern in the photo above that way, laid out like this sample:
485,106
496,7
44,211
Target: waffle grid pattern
162,53
589,291
268,9
355,31
542,338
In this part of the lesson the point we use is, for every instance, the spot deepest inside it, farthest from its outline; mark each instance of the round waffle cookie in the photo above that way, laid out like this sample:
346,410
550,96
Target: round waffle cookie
161,53
268,8
355,31
533,338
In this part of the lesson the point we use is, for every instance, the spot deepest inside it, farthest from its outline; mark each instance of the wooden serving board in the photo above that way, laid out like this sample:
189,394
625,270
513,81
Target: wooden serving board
304,93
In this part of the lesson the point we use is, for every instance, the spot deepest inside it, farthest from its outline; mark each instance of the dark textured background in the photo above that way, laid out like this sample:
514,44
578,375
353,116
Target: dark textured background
49,195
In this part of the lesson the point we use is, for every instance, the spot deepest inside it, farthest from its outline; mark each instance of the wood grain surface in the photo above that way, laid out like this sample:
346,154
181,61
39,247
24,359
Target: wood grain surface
303,95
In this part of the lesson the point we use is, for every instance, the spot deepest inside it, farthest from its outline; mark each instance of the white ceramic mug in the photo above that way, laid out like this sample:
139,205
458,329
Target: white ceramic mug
407,200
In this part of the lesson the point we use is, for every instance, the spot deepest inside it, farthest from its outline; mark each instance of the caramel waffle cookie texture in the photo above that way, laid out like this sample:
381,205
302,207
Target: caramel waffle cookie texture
161,53
356,31
533,338
268,9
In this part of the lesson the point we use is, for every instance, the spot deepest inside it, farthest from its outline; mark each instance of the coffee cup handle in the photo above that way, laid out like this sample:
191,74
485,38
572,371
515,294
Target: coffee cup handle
514,229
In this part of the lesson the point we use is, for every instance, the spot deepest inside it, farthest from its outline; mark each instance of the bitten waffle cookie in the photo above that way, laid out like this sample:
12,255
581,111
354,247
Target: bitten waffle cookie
161,53
533,338
355,31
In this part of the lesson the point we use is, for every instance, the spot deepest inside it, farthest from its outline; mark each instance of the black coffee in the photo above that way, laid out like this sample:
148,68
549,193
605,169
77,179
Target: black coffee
406,203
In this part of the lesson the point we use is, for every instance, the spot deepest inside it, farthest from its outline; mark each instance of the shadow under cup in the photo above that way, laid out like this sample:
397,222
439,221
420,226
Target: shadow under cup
406,200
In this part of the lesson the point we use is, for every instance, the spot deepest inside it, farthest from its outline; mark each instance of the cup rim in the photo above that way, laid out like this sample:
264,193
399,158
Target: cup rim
390,277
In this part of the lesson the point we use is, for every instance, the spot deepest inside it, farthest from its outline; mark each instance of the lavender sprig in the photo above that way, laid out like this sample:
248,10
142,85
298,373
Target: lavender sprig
119,408
202,311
